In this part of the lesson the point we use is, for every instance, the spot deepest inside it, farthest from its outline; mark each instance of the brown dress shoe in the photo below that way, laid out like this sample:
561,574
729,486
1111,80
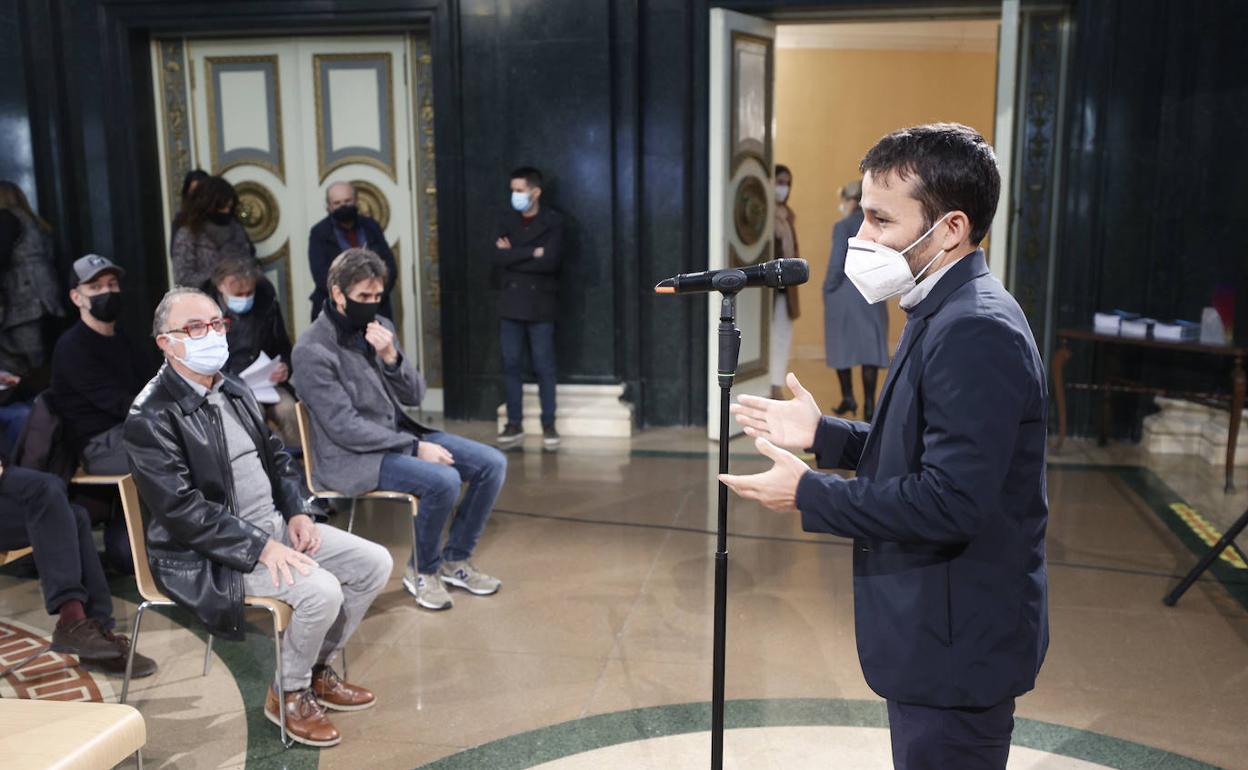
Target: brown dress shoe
333,693
306,721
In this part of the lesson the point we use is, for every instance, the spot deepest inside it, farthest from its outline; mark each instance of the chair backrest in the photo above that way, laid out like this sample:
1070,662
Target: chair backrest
131,509
305,440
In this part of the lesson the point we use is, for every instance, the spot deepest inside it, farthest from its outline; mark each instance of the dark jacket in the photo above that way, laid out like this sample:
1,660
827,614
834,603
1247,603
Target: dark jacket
260,329
40,446
323,247
948,508
529,285
198,548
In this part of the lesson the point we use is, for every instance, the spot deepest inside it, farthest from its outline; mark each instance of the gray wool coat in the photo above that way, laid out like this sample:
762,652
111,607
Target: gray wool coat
353,401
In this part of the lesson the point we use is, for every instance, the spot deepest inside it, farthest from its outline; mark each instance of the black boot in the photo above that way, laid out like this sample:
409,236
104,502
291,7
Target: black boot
868,392
848,404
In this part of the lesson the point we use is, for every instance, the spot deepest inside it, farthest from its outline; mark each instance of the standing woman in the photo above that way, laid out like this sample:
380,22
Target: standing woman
189,183
855,332
211,234
785,309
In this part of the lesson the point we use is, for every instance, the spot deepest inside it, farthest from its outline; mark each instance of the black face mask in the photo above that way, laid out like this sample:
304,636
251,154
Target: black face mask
361,314
106,307
221,218
345,214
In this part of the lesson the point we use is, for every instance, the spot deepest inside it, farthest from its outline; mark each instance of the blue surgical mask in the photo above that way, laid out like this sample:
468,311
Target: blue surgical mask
240,305
520,201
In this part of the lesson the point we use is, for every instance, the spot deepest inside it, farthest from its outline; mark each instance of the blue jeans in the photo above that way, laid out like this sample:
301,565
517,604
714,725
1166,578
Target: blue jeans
12,420
483,467
540,339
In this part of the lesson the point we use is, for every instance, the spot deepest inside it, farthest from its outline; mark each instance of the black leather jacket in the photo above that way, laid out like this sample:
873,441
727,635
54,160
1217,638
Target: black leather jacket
197,547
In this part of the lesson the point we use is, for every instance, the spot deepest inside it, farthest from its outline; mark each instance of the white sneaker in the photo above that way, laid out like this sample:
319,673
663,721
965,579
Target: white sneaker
462,574
428,590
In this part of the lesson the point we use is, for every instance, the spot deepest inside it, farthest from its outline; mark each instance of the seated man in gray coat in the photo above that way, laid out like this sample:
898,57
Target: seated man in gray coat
355,382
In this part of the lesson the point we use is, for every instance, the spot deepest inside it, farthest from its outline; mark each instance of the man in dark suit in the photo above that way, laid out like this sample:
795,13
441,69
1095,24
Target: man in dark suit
346,228
948,507
526,260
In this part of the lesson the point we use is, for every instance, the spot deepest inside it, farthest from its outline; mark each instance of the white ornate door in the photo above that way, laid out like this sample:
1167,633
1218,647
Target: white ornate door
742,200
282,119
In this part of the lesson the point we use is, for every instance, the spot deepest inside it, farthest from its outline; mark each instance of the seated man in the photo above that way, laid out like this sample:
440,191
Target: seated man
346,227
96,371
221,497
247,298
35,513
355,382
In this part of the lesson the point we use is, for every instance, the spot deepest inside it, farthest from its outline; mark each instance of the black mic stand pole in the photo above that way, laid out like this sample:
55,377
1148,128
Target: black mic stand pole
728,283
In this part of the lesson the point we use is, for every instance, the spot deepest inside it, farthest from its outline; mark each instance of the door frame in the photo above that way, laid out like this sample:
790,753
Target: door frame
127,147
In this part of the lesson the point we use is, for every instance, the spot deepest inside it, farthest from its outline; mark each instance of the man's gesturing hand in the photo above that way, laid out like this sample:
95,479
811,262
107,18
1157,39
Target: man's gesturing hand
279,558
788,424
777,488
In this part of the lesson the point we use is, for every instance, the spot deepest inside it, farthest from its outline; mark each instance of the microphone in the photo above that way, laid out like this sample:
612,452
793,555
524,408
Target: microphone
774,274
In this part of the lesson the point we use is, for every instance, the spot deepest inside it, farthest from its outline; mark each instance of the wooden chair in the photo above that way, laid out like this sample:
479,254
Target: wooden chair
305,437
152,597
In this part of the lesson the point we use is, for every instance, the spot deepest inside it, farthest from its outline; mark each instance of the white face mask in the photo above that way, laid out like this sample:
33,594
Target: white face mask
782,193
879,272
205,355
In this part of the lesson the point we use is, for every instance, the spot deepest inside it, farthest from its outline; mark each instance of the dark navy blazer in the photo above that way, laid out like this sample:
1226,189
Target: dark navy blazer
948,506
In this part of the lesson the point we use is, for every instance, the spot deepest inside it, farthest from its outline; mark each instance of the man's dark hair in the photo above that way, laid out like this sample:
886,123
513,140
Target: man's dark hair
242,267
355,265
531,176
783,169
955,167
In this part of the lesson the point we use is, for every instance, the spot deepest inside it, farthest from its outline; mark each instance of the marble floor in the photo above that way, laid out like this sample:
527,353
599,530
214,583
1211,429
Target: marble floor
596,653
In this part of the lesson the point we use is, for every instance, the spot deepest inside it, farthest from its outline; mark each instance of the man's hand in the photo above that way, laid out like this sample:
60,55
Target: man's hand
280,373
279,559
382,340
788,424
540,251
304,533
503,243
775,489
434,453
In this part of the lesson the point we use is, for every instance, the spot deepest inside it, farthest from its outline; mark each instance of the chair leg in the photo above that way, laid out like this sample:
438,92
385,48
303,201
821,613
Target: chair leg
134,642
351,518
138,759
412,526
208,654
344,662
281,690
22,663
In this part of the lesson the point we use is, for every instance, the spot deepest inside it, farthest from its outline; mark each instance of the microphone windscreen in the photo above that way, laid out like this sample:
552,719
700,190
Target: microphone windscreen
794,272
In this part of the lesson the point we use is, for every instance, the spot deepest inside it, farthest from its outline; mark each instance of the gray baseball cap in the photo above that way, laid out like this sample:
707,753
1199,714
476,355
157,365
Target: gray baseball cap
90,267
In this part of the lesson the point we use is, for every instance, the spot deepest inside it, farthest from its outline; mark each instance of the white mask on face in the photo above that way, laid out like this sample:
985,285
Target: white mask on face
782,193
879,272
205,355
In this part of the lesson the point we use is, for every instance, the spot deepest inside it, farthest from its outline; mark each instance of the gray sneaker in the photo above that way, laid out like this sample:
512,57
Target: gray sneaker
428,590
462,574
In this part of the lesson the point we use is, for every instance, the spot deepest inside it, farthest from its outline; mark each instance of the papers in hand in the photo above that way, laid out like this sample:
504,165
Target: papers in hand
257,378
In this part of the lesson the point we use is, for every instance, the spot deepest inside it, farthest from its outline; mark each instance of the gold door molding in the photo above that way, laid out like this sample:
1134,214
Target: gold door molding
257,210
372,202
176,118
370,144
227,150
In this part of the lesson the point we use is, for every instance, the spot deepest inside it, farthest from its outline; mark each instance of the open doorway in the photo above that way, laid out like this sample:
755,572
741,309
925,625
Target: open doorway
839,87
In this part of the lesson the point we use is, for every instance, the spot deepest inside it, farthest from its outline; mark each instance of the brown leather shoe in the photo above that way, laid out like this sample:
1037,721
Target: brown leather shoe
306,721
333,693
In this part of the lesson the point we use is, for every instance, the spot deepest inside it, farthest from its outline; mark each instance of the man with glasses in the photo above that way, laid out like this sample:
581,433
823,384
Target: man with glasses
221,496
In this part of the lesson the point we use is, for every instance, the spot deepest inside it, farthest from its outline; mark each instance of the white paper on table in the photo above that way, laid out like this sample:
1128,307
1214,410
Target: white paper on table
257,377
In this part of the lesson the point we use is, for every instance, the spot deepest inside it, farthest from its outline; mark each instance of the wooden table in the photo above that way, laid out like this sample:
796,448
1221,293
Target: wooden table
1239,382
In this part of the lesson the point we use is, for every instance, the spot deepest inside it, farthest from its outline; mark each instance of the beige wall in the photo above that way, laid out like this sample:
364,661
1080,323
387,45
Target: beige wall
831,106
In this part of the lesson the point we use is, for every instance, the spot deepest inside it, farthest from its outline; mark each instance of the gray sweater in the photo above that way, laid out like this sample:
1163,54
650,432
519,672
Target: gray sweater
354,417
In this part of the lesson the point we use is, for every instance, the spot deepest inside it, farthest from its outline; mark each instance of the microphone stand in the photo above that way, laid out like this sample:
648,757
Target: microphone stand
728,283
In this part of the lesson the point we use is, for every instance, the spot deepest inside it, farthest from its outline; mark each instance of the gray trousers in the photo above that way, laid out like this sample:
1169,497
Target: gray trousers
329,602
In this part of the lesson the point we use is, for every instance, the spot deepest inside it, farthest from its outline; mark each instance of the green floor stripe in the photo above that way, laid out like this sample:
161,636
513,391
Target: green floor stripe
567,739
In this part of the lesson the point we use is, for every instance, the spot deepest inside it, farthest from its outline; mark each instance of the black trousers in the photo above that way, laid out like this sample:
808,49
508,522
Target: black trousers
35,512
928,738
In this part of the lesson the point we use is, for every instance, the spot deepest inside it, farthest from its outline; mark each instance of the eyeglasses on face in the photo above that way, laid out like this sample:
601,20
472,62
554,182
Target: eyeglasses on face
197,329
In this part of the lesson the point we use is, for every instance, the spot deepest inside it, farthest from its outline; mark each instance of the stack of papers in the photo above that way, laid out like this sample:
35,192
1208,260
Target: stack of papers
1176,331
1106,323
1137,328
257,378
